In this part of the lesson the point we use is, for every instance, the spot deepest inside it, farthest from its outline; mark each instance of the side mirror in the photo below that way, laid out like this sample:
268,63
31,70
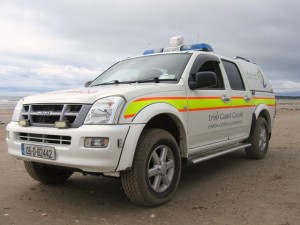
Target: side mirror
88,83
203,80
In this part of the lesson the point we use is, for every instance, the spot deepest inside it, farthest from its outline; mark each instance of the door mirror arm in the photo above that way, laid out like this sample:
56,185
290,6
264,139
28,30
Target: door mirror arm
88,83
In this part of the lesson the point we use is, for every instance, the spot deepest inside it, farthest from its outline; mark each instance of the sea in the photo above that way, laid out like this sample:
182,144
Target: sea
9,102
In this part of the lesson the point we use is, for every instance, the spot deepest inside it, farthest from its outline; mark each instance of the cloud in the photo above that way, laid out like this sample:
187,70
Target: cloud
6,70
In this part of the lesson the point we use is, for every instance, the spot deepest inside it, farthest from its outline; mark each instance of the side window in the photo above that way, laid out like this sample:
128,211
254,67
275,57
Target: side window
234,76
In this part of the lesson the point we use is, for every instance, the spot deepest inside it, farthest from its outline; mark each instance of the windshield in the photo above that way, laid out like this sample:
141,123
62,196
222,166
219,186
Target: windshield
155,68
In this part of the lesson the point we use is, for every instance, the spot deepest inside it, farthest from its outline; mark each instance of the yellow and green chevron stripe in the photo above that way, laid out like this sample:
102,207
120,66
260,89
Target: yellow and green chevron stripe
138,104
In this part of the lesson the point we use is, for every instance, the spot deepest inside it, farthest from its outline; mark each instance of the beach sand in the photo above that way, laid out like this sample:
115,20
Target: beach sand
5,116
227,190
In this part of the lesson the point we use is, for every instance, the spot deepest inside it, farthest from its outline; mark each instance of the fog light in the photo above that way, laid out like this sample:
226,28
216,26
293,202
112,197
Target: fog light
96,142
62,124
24,123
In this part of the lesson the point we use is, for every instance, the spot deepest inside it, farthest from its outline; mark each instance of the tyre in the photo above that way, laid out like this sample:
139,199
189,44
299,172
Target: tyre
156,169
259,140
47,174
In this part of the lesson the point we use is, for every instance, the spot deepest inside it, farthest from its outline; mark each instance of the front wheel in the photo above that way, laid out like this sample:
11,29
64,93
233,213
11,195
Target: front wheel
155,174
259,140
47,174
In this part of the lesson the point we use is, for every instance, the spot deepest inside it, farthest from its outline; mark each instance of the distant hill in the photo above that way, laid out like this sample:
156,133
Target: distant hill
287,97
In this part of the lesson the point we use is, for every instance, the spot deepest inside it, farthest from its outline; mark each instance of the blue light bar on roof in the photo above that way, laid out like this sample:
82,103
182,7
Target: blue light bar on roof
200,47
153,51
196,47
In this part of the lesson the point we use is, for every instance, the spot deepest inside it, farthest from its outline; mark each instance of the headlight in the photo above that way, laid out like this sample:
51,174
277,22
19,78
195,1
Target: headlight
105,111
17,111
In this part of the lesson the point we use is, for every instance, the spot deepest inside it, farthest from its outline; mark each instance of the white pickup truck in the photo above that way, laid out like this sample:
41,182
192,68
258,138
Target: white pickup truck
146,117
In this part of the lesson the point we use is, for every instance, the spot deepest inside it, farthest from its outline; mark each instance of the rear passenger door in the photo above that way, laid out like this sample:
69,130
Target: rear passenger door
241,101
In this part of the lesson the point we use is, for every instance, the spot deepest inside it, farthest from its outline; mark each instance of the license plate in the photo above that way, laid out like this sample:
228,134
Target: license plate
38,151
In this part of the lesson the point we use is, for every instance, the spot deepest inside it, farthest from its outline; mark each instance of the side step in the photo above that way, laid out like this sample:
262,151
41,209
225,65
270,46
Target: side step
214,154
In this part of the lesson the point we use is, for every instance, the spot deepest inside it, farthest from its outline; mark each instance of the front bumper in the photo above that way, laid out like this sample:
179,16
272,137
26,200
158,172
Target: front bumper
74,155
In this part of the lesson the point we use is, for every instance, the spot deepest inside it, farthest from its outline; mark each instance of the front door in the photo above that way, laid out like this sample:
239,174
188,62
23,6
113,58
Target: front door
209,108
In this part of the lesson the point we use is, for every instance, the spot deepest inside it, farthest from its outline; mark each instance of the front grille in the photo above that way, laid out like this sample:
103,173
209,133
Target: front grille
45,138
44,119
45,115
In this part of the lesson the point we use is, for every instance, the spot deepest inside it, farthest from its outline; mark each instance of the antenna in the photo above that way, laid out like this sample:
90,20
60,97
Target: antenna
198,35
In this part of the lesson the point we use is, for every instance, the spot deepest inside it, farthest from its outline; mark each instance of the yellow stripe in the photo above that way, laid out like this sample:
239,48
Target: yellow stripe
263,100
195,103
205,102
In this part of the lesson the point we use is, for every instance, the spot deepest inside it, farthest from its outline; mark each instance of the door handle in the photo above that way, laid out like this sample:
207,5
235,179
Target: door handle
247,98
225,99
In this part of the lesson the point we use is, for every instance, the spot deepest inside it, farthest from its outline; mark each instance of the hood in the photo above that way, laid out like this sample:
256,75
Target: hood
90,95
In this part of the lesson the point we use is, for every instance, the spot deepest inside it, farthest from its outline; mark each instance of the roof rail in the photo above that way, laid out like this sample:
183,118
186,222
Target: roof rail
239,57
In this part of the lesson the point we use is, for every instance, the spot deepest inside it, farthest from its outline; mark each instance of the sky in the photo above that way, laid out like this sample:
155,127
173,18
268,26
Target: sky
54,45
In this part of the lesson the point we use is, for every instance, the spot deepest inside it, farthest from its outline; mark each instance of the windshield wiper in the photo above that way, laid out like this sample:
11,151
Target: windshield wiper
148,80
107,83
153,79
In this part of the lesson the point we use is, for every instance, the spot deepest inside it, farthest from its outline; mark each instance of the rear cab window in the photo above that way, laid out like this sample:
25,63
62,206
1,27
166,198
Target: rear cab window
234,75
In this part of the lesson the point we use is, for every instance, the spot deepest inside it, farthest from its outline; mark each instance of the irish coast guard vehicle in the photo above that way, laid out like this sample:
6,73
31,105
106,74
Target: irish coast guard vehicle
144,118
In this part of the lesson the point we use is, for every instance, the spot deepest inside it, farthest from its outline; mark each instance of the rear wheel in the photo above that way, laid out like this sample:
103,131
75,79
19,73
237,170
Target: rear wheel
259,140
155,174
47,174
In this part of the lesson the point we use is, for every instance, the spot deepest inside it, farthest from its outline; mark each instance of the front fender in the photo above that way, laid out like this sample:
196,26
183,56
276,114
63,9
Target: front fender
139,122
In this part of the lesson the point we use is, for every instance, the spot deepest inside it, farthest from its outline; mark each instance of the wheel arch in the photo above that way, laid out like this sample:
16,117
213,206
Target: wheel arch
174,126
261,111
165,116
161,116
